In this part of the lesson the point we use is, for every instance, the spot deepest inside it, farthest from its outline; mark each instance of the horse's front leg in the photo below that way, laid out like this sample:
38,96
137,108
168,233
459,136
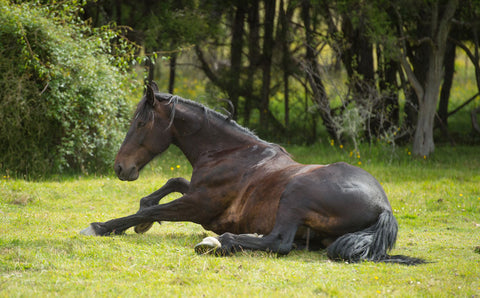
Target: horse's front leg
179,185
186,208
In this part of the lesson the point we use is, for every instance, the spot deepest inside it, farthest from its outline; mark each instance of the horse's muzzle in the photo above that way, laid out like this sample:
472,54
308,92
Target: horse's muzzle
126,173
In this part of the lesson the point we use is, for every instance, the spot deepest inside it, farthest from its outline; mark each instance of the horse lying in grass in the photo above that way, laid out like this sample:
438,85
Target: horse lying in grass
242,186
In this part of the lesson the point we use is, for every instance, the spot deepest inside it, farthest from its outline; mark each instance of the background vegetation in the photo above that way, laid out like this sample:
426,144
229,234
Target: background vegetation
313,65
63,88
350,71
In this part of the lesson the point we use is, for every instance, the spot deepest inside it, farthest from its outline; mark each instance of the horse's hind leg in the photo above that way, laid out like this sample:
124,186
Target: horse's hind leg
280,241
180,185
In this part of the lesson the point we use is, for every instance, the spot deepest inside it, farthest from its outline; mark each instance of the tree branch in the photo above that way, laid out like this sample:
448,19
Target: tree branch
207,70
464,104
465,49
416,85
411,77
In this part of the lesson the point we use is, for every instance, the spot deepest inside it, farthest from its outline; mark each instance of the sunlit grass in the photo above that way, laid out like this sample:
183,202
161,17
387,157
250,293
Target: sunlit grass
436,201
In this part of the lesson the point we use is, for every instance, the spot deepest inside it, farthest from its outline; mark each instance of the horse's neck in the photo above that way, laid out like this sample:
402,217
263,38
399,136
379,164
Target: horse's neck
197,135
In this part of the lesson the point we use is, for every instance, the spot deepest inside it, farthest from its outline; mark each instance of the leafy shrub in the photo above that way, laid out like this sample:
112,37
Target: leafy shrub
62,90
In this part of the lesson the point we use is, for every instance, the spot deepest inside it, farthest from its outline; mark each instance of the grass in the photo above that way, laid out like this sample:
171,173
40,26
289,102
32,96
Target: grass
436,201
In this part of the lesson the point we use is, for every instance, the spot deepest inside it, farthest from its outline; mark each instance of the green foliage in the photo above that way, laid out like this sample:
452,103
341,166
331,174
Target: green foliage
173,25
62,90
352,123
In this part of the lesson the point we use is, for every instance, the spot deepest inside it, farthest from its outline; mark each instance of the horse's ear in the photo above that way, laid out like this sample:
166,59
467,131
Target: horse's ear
150,95
154,86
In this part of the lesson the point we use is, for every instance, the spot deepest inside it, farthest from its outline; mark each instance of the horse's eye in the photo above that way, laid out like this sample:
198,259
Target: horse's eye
140,124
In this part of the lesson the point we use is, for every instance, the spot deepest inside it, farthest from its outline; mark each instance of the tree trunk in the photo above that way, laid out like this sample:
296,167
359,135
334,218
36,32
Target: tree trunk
446,86
171,78
423,143
285,61
418,55
150,64
357,54
313,74
475,125
253,58
267,62
387,114
236,47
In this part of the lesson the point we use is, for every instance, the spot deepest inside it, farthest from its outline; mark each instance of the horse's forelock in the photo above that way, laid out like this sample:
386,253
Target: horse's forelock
144,111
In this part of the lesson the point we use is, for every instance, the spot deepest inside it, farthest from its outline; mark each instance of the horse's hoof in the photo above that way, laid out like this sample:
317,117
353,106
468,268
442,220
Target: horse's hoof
89,231
142,228
207,246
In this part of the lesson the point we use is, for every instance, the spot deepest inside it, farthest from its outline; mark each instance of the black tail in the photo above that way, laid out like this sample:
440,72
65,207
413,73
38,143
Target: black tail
371,244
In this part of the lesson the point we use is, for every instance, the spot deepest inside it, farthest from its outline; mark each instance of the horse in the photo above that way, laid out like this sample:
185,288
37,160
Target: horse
250,192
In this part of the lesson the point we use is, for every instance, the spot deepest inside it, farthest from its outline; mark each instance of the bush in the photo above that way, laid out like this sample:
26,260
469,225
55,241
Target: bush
62,90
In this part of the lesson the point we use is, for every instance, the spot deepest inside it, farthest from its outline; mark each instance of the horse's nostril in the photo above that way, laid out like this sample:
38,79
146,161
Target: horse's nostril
118,168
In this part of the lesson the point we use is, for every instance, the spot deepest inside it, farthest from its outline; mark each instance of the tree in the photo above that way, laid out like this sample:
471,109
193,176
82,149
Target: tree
439,21
161,28
313,73
468,24
260,52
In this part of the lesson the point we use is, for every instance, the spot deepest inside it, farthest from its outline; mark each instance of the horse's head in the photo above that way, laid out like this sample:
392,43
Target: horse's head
150,134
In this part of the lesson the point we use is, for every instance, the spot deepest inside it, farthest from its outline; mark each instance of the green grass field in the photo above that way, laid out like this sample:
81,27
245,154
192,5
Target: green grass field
436,202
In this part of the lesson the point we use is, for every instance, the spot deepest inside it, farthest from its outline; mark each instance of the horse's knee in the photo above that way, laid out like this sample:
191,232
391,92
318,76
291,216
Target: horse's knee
145,202
180,184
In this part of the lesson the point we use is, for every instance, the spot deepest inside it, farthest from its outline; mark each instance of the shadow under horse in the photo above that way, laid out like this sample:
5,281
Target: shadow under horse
243,187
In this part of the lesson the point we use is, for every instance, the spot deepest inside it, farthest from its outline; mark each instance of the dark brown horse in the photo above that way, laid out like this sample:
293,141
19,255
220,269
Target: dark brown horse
242,186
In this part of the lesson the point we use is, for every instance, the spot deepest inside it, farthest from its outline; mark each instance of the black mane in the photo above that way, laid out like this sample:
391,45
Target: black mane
174,99
144,112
